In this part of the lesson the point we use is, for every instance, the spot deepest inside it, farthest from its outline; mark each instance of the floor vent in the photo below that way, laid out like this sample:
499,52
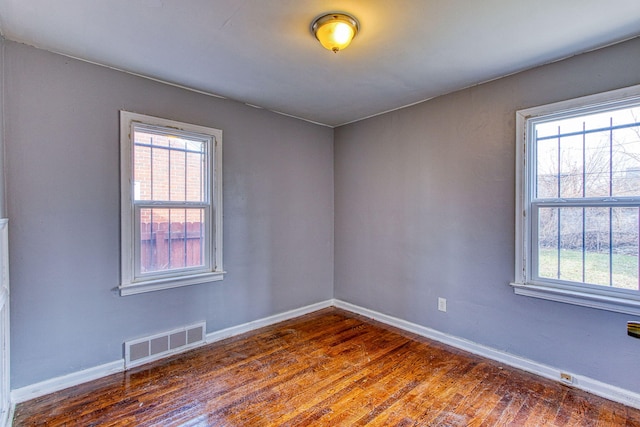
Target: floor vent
154,347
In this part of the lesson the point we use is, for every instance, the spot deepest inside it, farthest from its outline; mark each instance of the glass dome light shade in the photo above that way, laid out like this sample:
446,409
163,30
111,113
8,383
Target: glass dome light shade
335,31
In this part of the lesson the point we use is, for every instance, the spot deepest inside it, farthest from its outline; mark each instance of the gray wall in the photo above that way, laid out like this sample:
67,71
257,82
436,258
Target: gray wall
424,208
3,212
62,130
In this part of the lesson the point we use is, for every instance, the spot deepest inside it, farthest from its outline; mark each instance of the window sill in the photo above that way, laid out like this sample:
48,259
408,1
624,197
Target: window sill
168,283
603,300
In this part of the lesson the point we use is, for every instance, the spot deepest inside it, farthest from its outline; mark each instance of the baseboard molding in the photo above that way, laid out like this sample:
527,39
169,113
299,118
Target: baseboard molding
587,384
267,321
590,385
59,383
7,416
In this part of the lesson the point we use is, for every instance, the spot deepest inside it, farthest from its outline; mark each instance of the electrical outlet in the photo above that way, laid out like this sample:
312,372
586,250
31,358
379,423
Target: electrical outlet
566,378
442,304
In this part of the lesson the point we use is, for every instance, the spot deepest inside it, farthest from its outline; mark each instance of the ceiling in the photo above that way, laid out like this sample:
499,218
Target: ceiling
261,52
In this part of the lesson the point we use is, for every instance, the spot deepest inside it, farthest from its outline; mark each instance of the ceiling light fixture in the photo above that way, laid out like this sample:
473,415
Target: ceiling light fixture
335,31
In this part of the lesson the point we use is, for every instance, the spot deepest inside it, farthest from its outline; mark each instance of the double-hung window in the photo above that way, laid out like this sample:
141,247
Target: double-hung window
171,203
578,201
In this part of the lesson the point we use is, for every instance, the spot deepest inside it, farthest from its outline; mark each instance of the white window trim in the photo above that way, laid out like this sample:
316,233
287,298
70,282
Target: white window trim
129,285
617,300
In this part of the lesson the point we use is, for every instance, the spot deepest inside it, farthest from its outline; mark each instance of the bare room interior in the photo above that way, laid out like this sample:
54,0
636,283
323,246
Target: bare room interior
213,215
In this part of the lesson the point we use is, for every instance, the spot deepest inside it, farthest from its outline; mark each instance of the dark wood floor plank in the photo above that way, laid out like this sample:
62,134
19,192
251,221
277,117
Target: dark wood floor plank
445,393
334,374
326,368
544,412
424,400
351,380
480,401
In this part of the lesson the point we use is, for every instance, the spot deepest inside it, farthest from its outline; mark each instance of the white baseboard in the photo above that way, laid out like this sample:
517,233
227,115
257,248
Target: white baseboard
590,385
7,416
267,321
59,383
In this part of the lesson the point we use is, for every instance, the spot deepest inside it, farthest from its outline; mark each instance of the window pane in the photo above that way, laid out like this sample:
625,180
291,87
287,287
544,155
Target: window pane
597,164
592,245
597,245
159,173
171,239
169,168
195,177
560,243
142,172
548,243
178,176
547,169
571,167
625,227
626,152
596,155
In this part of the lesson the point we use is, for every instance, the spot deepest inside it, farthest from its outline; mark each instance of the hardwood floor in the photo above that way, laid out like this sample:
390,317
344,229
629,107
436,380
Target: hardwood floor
329,368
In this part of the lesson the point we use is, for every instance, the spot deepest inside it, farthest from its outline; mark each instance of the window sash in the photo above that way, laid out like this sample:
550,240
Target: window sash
171,272
535,207
208,141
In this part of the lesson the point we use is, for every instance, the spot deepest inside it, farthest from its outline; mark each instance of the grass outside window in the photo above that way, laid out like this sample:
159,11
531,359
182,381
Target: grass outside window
596,268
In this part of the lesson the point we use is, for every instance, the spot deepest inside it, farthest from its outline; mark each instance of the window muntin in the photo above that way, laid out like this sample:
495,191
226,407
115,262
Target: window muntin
578,207
171,203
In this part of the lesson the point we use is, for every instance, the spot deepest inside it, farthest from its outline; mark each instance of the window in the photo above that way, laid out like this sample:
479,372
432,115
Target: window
578,201
171,202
